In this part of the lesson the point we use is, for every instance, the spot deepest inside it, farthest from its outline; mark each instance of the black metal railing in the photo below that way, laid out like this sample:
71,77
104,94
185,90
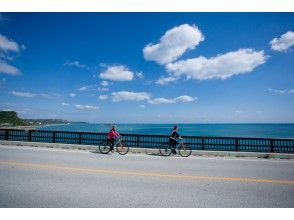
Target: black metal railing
153,141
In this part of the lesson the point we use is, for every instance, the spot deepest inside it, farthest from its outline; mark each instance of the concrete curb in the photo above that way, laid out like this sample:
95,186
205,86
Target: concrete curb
150,151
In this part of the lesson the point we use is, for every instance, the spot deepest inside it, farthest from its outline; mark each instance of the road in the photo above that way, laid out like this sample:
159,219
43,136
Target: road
40,177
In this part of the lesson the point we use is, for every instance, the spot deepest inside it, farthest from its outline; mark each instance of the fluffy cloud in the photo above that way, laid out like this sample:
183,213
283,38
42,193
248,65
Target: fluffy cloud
140,75
281,91
179,99
75,64
8,45
219,67
72,94
86,107
104,83
284,42
117,73
165,80
103,89
83,88
8,69
173,44
103,97
23,94
129,96
64,104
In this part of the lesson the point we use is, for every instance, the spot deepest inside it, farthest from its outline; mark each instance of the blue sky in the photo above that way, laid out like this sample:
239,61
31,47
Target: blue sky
148,67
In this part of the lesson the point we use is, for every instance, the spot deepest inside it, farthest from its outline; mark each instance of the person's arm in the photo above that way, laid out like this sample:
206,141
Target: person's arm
116,134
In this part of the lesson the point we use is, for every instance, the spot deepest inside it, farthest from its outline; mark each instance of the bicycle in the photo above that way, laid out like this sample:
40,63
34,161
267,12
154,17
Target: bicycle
183,149
120,146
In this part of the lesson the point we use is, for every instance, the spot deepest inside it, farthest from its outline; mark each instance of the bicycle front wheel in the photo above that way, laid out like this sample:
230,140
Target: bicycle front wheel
104,148
165,150
185,150
122,148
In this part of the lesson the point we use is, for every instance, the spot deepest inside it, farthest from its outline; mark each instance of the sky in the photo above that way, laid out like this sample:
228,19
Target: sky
148,67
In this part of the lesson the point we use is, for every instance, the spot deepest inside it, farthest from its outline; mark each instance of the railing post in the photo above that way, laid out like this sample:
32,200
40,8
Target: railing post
6,135
30,136
53,138
237,144
202,143
80,138
272,145
138,141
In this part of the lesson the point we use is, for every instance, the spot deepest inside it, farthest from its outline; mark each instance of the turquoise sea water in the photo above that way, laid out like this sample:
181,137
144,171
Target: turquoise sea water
220,130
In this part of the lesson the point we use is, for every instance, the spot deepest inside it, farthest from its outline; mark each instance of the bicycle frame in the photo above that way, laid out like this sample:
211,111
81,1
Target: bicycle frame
180,143
117,141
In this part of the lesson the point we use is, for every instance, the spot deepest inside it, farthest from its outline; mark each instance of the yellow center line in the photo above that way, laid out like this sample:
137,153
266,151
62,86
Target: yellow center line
128,173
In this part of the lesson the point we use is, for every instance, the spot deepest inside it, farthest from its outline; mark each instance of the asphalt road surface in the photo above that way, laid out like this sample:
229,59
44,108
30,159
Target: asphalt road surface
39,177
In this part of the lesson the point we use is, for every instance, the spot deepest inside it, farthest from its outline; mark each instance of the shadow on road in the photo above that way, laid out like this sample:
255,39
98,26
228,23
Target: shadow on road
98,152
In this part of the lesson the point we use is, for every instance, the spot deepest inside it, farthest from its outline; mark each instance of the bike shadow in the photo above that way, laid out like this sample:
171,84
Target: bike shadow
153,154
98,152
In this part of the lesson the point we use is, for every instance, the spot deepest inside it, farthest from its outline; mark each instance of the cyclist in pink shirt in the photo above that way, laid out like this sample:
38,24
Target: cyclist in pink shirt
112,135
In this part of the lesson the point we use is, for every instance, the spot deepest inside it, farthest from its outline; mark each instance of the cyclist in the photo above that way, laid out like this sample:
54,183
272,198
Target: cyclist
173,138
112,135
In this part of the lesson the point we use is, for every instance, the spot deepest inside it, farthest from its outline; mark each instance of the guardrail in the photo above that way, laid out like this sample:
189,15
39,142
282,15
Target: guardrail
153,141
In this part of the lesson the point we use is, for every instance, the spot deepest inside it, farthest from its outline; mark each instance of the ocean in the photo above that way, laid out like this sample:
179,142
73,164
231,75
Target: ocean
216,130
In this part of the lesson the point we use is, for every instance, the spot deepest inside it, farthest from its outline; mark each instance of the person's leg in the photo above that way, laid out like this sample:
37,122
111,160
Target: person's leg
174,144
111,144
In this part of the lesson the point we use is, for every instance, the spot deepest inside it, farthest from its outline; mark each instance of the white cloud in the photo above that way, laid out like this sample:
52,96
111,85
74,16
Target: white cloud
72,94
104,83
178,99
8,45
64,104
174,43
103,97
23,94
86,107
281,91
117,73
185,98
165,80
103,89
161,101
83,88
283,43
142,106
75,64
220,67
9,70
140,75
91,88
129,96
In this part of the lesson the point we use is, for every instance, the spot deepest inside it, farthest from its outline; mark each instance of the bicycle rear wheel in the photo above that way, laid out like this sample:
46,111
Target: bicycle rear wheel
104,148
165,150
122,148
185,150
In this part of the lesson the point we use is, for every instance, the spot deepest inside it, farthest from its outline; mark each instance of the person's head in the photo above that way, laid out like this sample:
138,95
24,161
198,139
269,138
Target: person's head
176,128
113,127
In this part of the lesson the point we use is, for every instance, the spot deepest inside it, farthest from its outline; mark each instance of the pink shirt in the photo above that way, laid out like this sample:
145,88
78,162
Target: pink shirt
112,133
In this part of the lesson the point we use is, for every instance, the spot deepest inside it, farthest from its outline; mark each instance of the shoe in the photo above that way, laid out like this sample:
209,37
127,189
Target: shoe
174,152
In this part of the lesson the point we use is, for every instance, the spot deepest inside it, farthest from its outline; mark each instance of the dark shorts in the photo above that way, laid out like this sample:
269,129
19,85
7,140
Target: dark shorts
111,141
172,142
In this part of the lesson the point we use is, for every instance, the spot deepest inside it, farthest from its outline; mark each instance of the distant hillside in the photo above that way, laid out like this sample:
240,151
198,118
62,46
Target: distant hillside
45,121
11,118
